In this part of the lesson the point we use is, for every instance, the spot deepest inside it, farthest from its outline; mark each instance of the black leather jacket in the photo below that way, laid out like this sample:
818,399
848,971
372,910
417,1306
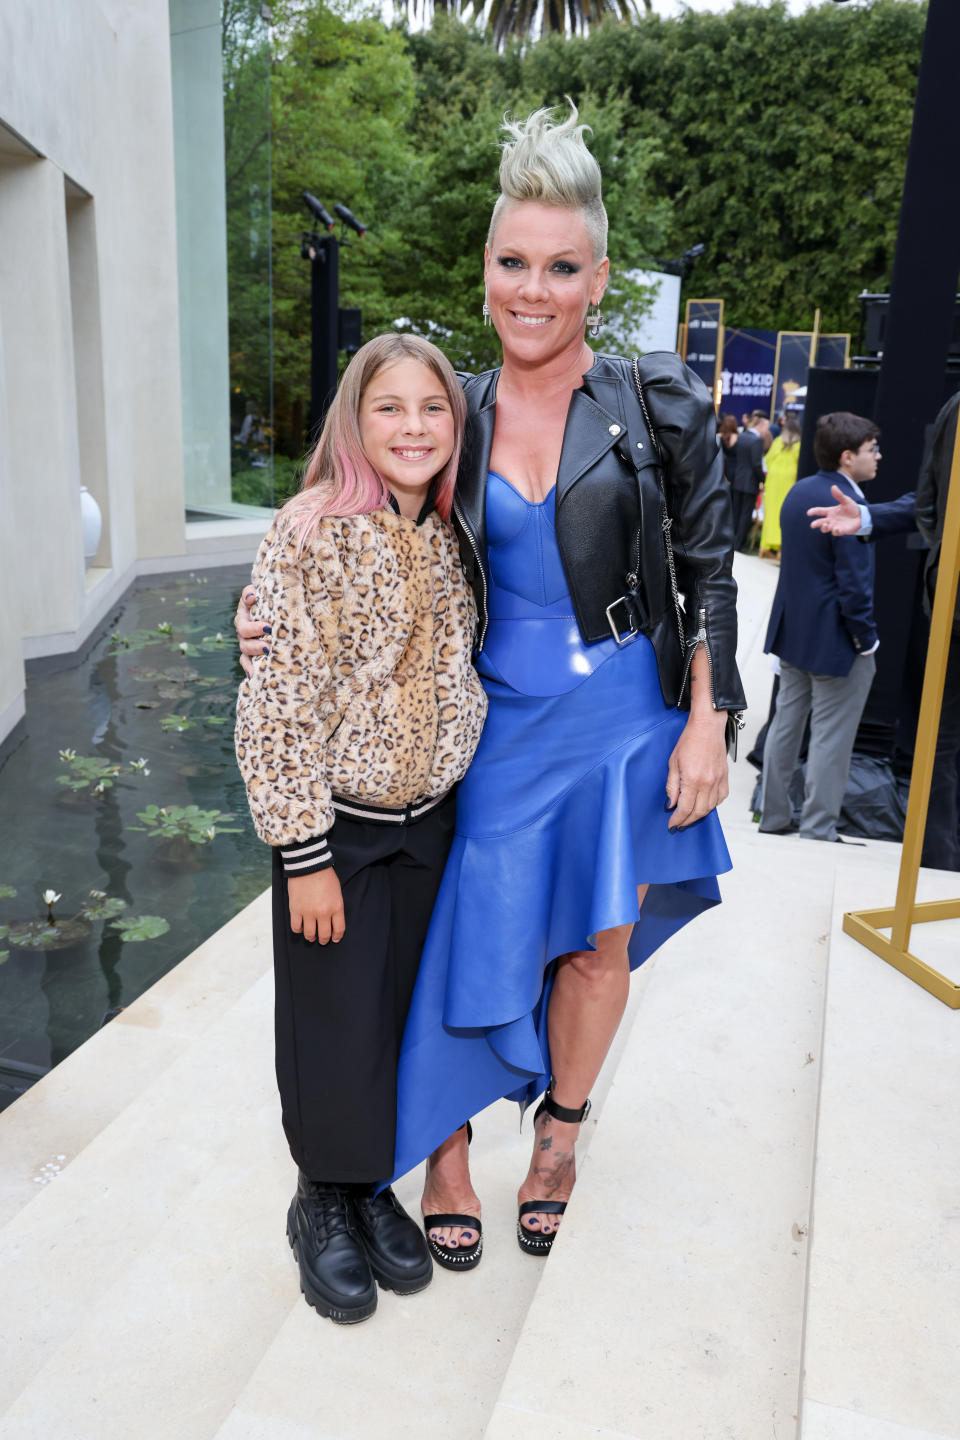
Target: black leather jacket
931,500
609,511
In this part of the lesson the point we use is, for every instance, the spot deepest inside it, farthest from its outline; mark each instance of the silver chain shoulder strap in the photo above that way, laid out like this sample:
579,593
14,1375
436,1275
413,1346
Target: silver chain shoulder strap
666,523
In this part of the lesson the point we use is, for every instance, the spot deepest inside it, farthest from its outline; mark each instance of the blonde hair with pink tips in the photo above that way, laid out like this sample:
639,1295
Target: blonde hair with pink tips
339,479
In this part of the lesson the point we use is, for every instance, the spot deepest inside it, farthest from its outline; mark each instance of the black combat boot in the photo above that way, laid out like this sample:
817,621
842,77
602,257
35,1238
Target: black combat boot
335,1275
394,1246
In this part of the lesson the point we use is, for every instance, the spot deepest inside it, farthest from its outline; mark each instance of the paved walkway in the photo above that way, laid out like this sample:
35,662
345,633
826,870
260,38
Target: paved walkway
764,1241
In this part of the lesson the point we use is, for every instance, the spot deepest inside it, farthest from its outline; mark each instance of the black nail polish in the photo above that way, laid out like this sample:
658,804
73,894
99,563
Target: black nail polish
268,629
679,829
266,649
667,806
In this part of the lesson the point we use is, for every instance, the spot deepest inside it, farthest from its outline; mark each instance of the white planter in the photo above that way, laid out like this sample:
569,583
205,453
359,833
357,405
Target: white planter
92,523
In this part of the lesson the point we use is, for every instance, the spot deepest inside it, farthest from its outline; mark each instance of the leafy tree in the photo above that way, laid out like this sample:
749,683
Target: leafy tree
782,143
342,93
464,86
777,140
246,118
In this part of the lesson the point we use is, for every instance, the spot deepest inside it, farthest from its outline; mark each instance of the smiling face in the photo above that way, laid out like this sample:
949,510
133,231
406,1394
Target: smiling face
541,276
407,430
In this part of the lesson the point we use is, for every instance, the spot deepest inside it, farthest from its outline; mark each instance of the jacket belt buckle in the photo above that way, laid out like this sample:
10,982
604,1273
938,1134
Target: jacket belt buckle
631,624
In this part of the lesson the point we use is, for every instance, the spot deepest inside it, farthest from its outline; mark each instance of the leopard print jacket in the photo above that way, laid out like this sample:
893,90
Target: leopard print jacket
367,691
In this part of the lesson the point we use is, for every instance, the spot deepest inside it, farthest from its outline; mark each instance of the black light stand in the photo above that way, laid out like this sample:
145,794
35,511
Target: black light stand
326,318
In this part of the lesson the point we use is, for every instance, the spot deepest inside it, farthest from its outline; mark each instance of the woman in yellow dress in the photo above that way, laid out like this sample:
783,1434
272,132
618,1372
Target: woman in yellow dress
781,462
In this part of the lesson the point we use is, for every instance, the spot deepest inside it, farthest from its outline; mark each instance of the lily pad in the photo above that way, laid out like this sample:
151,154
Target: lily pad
4,955
7,892
173,692
141,927
41,935
178,676
176,723
104,909
4,929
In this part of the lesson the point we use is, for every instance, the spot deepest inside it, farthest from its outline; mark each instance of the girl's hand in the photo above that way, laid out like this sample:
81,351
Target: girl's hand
250,631
316,906
697,773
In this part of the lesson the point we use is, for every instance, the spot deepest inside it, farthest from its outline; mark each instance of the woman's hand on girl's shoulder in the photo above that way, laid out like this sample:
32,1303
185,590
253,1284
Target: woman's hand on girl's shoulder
251,632
316,906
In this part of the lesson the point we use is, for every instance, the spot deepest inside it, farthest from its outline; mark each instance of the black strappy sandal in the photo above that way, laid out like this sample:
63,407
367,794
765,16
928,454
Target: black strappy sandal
465,1257
530,1242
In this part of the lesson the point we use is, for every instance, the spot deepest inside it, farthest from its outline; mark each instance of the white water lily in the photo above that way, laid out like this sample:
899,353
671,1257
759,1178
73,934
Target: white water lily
140,764
98,789
219,638
182,646
211,832
50,897
165,627
98,894
146,772
68,755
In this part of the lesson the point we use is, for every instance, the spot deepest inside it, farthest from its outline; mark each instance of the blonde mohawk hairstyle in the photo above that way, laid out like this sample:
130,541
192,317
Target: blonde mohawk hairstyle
547,161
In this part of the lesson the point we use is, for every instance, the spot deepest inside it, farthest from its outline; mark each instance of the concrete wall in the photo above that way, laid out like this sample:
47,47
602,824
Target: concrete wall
11,654
197,71
90,370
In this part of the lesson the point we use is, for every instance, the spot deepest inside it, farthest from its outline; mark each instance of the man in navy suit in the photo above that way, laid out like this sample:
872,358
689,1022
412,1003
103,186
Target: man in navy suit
822,628
925,510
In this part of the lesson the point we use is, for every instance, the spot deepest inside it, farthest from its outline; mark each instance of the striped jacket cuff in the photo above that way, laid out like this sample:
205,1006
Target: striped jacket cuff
306,857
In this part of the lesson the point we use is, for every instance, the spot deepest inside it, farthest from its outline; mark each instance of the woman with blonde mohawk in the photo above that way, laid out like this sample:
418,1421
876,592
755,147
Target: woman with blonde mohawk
595,532
586,832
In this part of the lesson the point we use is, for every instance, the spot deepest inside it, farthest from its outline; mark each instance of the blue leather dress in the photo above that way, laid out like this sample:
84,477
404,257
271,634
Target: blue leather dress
559,819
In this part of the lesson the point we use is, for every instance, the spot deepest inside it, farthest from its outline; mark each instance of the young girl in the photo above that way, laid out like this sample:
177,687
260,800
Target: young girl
359,718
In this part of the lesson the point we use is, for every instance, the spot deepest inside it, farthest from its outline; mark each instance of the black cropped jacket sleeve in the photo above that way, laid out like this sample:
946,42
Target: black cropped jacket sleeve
610,514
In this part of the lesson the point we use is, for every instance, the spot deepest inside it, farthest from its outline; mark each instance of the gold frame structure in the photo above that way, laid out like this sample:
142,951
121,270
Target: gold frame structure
685,328
866,925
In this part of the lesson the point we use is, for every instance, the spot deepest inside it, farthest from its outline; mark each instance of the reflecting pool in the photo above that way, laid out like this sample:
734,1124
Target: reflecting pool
96,804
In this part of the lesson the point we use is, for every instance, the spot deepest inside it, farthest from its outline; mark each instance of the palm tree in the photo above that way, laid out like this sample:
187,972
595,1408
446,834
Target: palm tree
530,18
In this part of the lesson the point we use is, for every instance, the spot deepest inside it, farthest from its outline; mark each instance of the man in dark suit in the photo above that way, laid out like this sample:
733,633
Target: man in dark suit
746,483
823,631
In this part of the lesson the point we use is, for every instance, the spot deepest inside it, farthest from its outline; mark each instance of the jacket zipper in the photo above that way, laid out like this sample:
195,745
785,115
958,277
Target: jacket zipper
692,646
483,578
701,639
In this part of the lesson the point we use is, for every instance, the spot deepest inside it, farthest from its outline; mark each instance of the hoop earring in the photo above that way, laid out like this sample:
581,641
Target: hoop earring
487,320
596,320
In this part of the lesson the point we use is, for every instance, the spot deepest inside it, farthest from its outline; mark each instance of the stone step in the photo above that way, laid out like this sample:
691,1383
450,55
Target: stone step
883,1302
684,1248
44,1131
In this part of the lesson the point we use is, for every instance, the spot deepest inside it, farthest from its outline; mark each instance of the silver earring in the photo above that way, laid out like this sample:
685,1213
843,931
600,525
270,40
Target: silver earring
596,320
486,313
